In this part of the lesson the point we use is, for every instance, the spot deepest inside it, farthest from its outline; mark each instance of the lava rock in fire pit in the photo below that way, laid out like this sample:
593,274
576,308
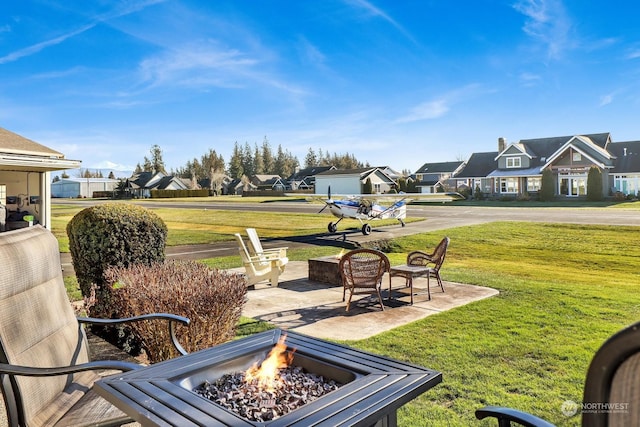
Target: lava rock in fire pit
292,389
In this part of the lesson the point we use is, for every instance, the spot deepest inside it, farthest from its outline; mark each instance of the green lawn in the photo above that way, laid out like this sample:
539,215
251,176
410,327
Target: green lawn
563,290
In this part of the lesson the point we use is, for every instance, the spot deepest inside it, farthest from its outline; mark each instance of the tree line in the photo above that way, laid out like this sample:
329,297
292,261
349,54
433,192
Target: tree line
247,161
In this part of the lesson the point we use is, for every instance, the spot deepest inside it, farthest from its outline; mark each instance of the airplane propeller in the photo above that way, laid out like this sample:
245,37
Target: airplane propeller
327,201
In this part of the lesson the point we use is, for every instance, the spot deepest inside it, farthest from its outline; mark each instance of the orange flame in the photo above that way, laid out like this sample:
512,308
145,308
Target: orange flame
340,254
266,374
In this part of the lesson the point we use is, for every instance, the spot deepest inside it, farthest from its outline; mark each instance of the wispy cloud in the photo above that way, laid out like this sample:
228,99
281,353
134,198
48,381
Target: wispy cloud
207,64
310,54
547,23
28,51
530,79
129,7
606,99
439,106
427,110
372,10
634,54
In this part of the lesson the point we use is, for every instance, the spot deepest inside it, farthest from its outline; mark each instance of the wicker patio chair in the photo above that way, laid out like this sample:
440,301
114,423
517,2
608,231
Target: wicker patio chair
611,389
361,271
436,258
45,373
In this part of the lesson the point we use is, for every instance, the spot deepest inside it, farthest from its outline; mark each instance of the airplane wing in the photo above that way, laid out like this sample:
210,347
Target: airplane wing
396,197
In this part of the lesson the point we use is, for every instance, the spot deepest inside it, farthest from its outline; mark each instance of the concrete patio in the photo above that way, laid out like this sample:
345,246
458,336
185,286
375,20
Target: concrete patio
316,309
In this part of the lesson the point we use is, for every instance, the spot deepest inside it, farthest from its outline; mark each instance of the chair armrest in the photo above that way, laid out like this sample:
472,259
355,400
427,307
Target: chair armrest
172,318
29,371
506,415
419,258
264,257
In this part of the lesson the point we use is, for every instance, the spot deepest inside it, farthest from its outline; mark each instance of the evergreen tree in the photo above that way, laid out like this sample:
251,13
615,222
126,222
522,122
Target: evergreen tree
269,163
547,190
247,161
594,184
258,163
310,159
367,187
235,162
112,175
157,164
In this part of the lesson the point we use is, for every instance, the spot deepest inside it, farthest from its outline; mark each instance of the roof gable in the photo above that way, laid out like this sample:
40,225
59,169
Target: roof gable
442,167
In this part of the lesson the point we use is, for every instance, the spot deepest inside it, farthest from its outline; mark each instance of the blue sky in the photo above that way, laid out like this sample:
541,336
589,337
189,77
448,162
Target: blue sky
397,83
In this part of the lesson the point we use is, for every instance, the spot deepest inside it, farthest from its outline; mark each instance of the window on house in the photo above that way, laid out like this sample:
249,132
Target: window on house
576,156
509,185
513,162
377,188
534,184
418,177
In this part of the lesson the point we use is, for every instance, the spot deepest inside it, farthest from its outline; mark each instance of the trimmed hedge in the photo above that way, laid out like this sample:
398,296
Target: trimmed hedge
168,194
113,234
211,299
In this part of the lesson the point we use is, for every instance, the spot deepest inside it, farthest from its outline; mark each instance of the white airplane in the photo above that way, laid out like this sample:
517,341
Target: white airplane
365,207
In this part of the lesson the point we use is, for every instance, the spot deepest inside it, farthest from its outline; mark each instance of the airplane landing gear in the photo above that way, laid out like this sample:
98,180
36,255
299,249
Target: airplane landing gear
333,227
366,229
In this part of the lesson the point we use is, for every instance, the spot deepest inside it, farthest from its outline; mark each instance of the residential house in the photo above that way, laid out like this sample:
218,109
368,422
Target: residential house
305,179
517,168
219,186
81,187
268,182
625,175
238,186
140,184
436,177
474,175
25,179
350,181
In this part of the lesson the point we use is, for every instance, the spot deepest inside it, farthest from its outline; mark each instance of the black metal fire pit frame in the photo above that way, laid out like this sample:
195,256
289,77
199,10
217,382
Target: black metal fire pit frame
157,395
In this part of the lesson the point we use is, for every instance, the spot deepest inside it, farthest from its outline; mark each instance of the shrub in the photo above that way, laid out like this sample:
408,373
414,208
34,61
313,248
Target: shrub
113,234
594,184
212,299
547,188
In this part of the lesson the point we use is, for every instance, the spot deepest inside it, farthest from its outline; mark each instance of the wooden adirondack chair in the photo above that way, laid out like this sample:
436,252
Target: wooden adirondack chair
255,247
259,267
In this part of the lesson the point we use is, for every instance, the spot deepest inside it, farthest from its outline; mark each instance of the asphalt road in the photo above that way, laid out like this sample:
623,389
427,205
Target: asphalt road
437,217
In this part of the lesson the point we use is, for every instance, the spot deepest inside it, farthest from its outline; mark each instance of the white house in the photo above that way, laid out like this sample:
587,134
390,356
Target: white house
350,181
81,187
25,179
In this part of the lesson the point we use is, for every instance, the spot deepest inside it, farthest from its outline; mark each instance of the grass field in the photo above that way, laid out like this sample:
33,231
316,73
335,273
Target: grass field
563,290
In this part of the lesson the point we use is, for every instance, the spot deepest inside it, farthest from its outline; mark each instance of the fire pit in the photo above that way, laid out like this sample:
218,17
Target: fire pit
325,270
368,388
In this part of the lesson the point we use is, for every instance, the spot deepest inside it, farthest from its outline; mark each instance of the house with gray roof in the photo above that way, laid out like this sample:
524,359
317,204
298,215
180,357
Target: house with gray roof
305,179
517,168
140,184
435,177
350,181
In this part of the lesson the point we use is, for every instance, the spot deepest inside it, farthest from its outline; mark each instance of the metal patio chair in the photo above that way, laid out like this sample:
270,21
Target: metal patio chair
45,373
361,271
